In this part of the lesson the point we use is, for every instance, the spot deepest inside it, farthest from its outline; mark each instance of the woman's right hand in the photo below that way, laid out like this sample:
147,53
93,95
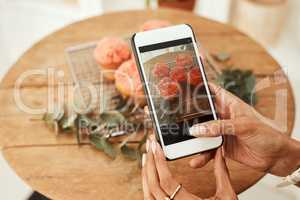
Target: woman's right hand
248,139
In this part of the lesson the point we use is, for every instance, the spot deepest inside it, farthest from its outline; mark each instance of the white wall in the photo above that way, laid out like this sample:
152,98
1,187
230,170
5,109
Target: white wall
214,9
220,10
293,21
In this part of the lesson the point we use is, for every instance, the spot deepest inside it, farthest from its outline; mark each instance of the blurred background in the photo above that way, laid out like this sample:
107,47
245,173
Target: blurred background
24,22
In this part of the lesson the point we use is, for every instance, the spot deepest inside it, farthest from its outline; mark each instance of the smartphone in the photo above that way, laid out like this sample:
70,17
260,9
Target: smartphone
176,88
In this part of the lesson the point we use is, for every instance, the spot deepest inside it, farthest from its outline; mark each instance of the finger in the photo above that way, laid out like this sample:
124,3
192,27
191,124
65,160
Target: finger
147,194
167,182
202,54
225,101
223,97
217,128
213,128
152,176
223,183
228,105
202,159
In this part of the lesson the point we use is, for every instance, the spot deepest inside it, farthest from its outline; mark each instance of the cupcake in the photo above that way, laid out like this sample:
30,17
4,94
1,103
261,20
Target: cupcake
155,24
160,70
111,52
168,88
184,59
128,82
178,74
194,76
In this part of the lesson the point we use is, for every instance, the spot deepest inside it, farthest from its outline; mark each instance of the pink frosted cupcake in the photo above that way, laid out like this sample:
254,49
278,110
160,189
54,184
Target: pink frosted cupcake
128,82
160,70
111,52
178,74
168,88
155,24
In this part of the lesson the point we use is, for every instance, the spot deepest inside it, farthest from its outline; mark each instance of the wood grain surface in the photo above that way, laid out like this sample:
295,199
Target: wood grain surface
58,168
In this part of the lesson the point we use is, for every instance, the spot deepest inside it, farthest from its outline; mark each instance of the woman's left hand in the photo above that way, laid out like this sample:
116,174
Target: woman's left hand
159,184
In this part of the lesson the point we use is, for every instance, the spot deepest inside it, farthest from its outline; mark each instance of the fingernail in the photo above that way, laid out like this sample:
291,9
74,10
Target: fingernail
143,159
153,147
197,130
147,145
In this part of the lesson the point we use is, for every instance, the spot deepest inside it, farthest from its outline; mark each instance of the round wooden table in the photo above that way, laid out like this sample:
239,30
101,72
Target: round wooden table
60,169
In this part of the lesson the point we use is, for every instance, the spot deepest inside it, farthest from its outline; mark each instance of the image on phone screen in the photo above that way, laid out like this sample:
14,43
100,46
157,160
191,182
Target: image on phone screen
176,88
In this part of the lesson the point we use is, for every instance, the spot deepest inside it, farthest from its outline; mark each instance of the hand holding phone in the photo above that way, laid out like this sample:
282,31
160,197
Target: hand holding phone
176,88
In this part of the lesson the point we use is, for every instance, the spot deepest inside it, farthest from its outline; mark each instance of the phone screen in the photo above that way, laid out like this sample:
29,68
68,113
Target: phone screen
176,87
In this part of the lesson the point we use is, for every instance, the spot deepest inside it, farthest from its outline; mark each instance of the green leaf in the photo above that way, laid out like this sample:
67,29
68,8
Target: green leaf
103,144
239,82
108,148
97,128
67,123
96,141
129,153
112,117
222,56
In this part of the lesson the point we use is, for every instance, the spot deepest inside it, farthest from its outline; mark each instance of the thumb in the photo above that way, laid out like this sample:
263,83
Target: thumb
214,128
217,128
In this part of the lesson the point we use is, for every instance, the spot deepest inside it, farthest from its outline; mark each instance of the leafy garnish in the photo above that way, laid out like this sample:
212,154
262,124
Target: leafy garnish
67,123
112,117
102,143
100,128
239,82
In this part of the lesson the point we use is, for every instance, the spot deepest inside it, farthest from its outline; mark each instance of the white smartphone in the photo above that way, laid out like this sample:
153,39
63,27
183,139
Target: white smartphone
176,88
